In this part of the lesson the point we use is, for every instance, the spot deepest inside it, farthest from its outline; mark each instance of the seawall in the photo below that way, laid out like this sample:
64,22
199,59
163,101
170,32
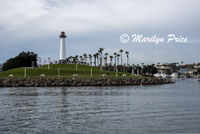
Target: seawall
58,82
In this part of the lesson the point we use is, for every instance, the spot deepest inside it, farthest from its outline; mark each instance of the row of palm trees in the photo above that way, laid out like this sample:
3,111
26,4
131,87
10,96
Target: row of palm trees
100,58
111,62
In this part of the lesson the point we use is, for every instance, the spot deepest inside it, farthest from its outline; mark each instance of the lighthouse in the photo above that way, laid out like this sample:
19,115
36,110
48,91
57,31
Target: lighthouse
62,48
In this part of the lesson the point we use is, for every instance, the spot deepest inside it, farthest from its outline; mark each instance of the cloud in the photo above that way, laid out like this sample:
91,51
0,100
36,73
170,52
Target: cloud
84,16
100,22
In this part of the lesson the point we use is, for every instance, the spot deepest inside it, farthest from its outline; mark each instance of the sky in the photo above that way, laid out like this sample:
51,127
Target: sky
35,25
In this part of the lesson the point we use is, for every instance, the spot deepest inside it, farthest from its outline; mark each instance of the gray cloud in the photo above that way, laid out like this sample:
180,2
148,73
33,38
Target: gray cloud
35,25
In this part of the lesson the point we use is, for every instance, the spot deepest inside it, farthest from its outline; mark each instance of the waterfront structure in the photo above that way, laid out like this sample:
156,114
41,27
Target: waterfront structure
189,70
62,58
167,68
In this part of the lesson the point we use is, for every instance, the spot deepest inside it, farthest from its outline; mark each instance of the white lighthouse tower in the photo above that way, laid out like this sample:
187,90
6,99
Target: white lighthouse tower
62,48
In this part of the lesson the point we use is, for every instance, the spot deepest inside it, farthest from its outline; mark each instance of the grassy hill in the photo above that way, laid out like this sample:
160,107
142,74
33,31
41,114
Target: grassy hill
66,70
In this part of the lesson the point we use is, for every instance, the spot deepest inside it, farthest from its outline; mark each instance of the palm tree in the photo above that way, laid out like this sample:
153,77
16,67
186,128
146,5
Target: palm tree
68,60
97,55
115,54
106,58
121,51
111,57
73,59
142,68
101,55
76,59
127,53
85,57
182,62
95,59
142,64
82,59
90,56
118,55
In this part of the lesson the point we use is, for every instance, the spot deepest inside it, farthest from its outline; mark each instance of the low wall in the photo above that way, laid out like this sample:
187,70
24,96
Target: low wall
57,82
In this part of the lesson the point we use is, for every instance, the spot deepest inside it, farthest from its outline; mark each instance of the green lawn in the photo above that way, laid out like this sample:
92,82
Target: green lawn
66,70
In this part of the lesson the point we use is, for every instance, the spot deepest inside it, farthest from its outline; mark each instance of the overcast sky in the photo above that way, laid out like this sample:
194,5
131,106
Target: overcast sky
35,25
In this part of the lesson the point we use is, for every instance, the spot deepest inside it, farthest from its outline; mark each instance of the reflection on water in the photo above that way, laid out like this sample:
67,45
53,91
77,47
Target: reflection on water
172,108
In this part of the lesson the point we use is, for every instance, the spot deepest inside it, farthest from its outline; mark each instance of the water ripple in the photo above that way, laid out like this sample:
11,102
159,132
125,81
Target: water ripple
172,108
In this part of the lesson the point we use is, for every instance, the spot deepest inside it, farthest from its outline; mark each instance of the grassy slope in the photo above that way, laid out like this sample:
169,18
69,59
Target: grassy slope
65,71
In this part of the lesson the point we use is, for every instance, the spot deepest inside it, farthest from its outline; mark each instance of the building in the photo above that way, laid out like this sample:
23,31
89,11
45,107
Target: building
62,58
167,68
189,70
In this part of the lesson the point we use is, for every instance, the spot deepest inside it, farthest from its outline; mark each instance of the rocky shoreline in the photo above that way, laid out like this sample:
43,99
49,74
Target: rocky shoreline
60,82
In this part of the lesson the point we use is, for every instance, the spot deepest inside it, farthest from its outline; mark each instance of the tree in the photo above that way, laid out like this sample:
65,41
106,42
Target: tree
121,51
127,55
115,54
149,69
90,57
81,59
182,62
111,57
118,55
24,59
97,55
76,59
106,58
95,59
85,58
68,59
101,55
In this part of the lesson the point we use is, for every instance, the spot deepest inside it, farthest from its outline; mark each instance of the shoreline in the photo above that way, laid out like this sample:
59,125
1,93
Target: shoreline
69,82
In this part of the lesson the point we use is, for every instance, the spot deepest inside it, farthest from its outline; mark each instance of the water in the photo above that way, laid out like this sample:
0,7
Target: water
172,108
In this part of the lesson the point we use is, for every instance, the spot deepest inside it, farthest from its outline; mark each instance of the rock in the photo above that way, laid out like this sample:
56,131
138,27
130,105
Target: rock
75,75
21,83
44,82
42,75
124,75
10,75
104,75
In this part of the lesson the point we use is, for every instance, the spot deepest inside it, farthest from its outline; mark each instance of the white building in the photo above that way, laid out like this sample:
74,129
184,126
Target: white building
62,58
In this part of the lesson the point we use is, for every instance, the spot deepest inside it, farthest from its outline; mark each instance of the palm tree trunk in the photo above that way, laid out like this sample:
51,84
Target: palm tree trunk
115,61
95,61
121,58
127,60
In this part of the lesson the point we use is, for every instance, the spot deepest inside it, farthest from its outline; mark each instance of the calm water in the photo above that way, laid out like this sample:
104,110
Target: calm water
173,108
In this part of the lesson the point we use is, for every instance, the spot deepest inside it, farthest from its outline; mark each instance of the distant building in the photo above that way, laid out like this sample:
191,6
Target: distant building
167,68
189,70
